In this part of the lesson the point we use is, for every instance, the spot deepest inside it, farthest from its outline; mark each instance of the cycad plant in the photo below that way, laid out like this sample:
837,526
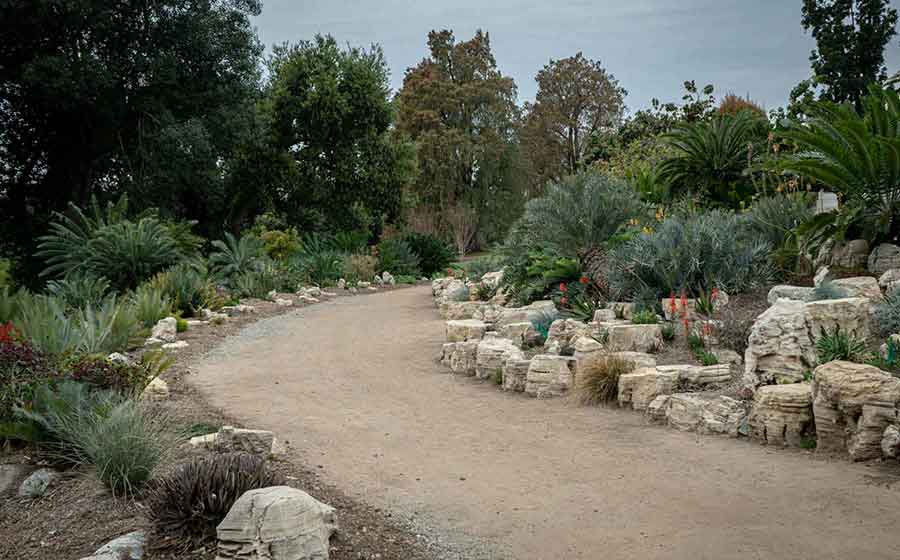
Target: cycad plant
79,290
856,155
235,256
710,158
106,243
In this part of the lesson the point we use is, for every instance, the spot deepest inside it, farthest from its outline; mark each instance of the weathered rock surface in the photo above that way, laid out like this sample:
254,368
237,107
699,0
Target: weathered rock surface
522,335
10,477
685,411
700,376
563,333
658,409
860,286
851,254
549,376
604,316
696,412
156,390
460,357
276,523
724,415
890,280
782,414
492,279
798,293
639,359
232,310
130,546
638,389
779,347
534,312
636,338
213,316
890,442
851,314
884,258
492,353
853,405
461,310
515,373
257,442
37,483
165,330
174,346
621,309
465,330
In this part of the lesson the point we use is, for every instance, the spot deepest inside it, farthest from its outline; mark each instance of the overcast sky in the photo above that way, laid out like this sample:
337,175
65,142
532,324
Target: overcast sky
754,47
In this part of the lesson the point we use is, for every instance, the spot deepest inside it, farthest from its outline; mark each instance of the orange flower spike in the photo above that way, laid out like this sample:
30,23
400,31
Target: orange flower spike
584,280
562,287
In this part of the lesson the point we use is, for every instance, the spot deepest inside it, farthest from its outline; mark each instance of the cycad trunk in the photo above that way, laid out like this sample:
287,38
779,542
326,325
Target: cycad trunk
595,265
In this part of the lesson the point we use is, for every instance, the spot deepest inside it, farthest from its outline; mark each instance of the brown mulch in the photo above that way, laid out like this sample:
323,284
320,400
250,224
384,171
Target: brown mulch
78,515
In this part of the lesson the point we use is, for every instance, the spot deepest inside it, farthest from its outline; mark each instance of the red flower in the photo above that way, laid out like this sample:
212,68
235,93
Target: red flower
564,300
683,304
562,287
714,295
687,327
584,280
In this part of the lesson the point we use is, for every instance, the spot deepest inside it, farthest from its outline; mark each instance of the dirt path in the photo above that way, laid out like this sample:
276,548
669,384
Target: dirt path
355,387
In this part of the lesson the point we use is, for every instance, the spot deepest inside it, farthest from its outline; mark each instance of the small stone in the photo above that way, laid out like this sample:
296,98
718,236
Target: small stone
177,345
280,302
129,546
465,330
341,284
116,357
798,293
157,389
36,485
822,275
363,285
890,442
259,442
165,330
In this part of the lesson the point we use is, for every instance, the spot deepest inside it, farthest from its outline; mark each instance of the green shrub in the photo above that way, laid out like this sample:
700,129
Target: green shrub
318,261
100,373
5,273
359,267
598,383
10,303
79,290
827,290
839,345
543,321
260,283
775,219
475,268
107,244
187,504
119,439
187,286
181,325
396,256
644,317
280,244
150,304
887,313
533,276
692,253
405,279
110,327
434,254
43,321
668,332
234,256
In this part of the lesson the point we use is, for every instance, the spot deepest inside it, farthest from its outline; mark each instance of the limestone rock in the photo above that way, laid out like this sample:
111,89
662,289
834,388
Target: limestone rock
637,338
465,330
564,332
727,357
851,254
639,359
455,290
658,409
492,353
779,347
822,275
388,279
232,310
460,357
782,414
884,258
177,345
37,483
309,300
675,309
621,309
378,280
534,312
860,287
798,293
129,546
363,285
460,310
165,330
492,279
276,523
156,390
522,335
851,314
724,415
604,316
700,376
213,316
549,376
853,405
207,441
488,312
515,373
282,302
685,411
587,352
638,389
890,442
257,442
889,280
342,284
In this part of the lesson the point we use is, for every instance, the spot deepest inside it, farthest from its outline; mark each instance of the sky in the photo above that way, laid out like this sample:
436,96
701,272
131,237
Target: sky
748,47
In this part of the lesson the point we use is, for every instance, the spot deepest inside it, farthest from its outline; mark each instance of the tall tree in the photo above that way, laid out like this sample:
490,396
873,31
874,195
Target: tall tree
851,36
100,97
576,99
330,110
462,114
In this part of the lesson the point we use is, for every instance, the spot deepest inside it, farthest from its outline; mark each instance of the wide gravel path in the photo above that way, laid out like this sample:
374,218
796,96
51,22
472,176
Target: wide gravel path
355,386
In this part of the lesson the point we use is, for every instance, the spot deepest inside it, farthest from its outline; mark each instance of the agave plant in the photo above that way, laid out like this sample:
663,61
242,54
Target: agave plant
236,255
856,155
710,158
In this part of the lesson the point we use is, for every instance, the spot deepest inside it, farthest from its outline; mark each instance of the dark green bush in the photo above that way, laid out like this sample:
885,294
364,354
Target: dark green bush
397,257
187,286
187,504
434,254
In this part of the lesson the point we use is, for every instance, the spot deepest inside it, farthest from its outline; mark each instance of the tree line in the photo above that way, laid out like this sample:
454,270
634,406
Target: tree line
175,104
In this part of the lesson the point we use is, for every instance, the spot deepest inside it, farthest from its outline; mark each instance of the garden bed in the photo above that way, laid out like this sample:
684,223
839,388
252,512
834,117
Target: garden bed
78,514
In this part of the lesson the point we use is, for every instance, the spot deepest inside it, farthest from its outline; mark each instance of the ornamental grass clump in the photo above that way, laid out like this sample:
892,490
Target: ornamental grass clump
598,383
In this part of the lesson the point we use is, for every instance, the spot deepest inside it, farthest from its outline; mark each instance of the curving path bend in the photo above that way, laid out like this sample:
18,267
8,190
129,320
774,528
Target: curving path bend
355,387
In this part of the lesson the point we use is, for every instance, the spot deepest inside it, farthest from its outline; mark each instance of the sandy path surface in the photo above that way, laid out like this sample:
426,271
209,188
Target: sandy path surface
354,386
